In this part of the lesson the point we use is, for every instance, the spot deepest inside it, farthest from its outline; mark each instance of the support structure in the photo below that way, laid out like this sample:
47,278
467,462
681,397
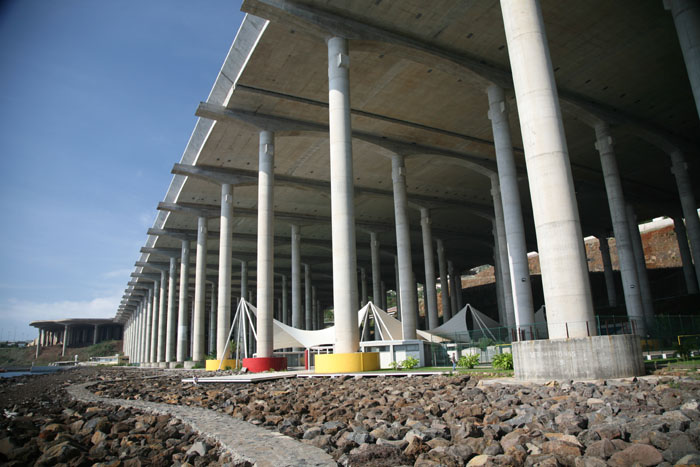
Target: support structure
444,288
430,290
691,282
688,204
562,257
182,323
376,270
198,320
608,271
504,268
620,222
647,319
347,339
514,229
567,295
297,319
686,17
223,317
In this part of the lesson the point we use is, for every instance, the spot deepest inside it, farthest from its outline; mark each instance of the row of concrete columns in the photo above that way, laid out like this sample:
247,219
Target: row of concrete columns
558,229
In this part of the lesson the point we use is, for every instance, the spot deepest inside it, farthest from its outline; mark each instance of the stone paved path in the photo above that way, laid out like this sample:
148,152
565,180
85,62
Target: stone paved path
245,442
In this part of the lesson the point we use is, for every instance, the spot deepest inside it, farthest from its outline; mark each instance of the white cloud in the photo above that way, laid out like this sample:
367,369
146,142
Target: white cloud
118,274
15,315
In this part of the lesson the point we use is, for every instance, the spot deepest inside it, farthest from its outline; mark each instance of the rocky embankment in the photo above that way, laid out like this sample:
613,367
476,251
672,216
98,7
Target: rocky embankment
455,420
40,425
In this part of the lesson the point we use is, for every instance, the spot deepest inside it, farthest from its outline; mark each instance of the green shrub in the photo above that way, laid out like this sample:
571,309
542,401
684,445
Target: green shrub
484,342
395,365
468,361
503,361
410,363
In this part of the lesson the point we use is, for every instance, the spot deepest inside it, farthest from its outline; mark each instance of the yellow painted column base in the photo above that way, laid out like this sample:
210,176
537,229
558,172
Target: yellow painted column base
213,365
347,362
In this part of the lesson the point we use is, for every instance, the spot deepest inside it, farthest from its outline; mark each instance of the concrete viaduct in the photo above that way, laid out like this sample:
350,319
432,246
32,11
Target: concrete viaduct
352,147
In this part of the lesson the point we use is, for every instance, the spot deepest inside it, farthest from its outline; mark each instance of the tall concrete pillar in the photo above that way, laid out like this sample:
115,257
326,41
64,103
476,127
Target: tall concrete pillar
166,300
38,344
245,293
647,319
691,282
397,274
94,335
376,270
519,268
444,288
151,324
297,319
686,16
430,294
314,309
200,277
453,287
223,317
347,339
266,241
307,297
168,317
363,287
285,302
409,304
458,288
608,271
685,192
562,257
153,304
65,338
620,223
504,267
212,320
182,322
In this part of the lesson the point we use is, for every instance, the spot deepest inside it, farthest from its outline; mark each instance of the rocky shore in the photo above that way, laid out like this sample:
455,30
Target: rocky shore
422,421
457,420
40,425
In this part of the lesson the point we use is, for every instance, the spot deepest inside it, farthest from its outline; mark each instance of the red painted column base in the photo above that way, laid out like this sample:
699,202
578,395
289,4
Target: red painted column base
260,364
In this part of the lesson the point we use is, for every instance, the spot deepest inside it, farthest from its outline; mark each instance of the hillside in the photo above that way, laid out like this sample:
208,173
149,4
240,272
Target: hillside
14,356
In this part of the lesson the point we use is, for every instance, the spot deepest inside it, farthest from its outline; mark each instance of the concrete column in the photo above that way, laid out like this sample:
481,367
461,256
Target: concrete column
307,297
143,313
504,267
223,317
453,287
691,282
182,322
153,305
376,270
314,309
151,324
562,257
444,288
685,192
397,274
686,16
409,304
500,301
166,325
38,345
94,335
245,293
363,287
200,276
212,320
430,294
347,339
458,288
620,222
266,241
285,303
519,268
167,300
647,302
608,271
297,319
65,336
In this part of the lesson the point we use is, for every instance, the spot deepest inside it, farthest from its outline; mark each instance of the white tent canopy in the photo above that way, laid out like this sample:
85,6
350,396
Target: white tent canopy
387,327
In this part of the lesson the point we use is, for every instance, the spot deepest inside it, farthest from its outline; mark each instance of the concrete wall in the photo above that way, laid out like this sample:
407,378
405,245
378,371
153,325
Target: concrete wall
599,357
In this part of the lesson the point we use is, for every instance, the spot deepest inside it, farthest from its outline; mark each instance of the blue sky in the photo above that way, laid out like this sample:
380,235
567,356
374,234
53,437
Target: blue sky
97,102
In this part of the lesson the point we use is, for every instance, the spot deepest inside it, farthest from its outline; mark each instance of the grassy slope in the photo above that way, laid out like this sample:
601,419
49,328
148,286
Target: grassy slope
25,357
